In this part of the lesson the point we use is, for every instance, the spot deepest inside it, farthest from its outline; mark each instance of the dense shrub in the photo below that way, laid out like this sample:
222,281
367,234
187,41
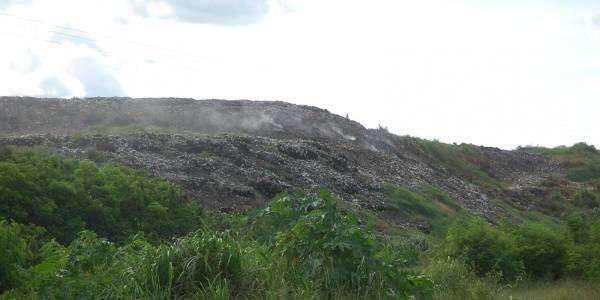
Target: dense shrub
555,204
583,257
328,246
584,173
328,241
14,253
73,272
583,147
542,250
586,199
485,249
66,196
323,251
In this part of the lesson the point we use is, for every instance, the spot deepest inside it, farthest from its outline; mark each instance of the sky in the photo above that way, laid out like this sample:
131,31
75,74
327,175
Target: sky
496,73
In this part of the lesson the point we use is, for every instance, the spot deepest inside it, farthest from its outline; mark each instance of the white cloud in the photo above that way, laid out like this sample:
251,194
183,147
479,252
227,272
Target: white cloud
222,12
54,87
96,78
501,74
7,3
596,20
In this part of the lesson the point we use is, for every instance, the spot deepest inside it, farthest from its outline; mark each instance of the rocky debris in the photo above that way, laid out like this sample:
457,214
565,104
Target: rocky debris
521,168
234,155
231,172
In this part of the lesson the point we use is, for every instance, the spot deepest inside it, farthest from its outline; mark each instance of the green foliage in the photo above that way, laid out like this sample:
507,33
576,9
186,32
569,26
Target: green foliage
578,228
424,204
465,161
321,251
99,231
584,173
583,256
583,147
542,250
455,280
586,199
558,290
485,250
327,240
14,253
555,204
177,270
581,160
410,202
66,196
328,246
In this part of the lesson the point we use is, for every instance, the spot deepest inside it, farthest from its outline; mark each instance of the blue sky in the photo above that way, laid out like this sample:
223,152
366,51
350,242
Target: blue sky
498,73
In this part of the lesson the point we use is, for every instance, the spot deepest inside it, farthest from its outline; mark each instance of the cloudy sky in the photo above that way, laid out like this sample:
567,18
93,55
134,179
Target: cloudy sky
498,73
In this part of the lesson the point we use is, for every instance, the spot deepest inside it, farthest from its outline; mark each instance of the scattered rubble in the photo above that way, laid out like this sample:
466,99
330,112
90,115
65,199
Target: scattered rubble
235,155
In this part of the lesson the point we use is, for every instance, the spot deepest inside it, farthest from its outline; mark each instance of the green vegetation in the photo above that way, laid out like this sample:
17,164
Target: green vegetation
581,160
464,160
65,196
425,205
73,229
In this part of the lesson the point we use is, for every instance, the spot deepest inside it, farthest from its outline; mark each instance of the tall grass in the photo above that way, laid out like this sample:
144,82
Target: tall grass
561,290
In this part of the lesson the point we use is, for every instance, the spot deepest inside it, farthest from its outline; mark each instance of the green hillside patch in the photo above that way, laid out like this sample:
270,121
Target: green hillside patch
423,204
464,160
581,160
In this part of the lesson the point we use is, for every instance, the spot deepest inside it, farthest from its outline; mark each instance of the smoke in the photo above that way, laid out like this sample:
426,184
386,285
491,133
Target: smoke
183,115
339,131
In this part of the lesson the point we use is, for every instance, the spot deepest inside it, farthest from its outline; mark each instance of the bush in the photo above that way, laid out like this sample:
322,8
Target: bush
583,261
583,257
578,228
485,250
66,196
327,241
14,254
583,147
586,199
74,272
329,247
542,250
584,173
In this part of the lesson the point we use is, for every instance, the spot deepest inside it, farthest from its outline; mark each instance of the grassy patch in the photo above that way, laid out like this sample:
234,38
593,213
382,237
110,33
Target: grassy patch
561,290
581,160
424,204
464,160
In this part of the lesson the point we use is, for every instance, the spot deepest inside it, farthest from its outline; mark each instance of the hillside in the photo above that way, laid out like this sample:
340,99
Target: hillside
118,198
234,155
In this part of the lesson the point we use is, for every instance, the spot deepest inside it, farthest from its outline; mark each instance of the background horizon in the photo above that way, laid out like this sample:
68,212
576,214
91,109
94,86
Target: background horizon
495,74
